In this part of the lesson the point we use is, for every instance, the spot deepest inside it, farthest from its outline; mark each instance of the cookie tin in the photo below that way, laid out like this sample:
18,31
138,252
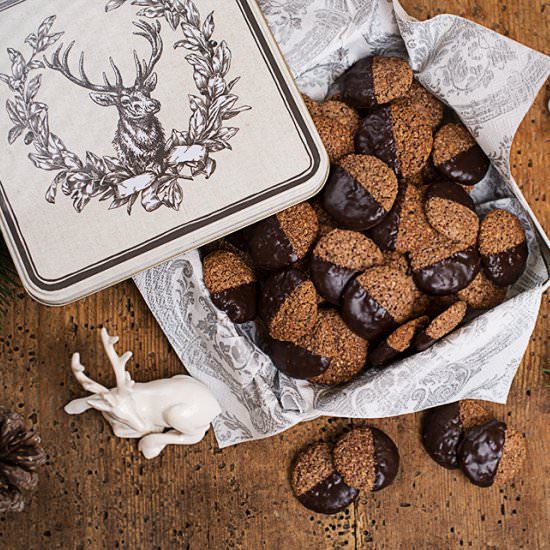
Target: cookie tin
134,130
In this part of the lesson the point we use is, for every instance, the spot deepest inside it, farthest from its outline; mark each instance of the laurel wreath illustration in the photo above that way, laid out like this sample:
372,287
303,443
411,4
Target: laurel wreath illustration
187,153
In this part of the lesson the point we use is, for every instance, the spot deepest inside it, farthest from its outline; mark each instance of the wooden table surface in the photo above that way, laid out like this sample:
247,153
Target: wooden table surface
97,491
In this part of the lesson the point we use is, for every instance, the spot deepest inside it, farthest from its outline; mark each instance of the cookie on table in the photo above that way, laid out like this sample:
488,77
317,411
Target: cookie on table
360,191
482,293
288,305
337,258
283,239
443,428
399,136
406,227
425,103
491,453
366,458
377,301
450,210
457,156
442,325
399,341
444,267
376,80
503,247
316,483
232,285
336,137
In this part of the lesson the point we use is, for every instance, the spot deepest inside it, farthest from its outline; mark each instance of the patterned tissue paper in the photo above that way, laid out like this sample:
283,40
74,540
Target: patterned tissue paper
491,82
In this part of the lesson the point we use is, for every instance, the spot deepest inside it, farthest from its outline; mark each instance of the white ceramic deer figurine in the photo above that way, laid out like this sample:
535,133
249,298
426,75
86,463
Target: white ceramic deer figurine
146,410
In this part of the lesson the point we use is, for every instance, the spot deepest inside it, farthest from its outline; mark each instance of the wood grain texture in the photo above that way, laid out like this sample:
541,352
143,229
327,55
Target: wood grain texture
98,492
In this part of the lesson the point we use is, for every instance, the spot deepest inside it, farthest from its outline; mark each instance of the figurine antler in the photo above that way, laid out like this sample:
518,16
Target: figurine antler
87,383
123,379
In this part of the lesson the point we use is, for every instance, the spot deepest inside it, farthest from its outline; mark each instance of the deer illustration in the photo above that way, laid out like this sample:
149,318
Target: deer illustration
146,410
139,138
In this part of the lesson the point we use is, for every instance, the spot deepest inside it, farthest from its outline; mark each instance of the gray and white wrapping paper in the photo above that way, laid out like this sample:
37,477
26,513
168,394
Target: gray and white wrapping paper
490,81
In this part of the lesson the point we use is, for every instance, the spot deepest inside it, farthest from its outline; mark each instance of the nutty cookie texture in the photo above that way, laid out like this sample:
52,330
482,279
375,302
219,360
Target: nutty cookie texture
482,293
457,156
360,191
442,325
283,239
367,459
336,137
451,211
288,305
329,354
491,453
443,428
232,285
339,256
397,342
503,247
316,483
377,301
398,135
444,267
376,80
425,103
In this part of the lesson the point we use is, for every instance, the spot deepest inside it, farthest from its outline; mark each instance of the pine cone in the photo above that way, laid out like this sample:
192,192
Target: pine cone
20,455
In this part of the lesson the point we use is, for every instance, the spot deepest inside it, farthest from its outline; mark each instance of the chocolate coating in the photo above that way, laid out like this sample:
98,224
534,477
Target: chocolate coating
384,234
296,361
358,85
505,268
480,451
346,200
330,496
269,246
375,137
423,341
441,433
363,314
450,274
239,302
277,288
381,355
467,168
450,191
329,279
386,459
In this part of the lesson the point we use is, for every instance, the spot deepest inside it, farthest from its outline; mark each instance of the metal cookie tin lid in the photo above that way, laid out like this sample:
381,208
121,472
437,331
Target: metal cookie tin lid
133,131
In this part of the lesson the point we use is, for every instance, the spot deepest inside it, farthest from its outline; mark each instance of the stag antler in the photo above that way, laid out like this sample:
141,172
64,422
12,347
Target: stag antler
123,378
151,32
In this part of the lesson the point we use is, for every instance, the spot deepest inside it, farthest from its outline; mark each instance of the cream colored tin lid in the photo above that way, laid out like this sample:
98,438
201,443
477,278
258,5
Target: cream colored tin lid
175,126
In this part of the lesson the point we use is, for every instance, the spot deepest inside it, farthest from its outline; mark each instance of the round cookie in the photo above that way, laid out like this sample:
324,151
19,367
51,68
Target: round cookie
375,80
360,191
481,293
396,343
491,453
451,211
332,338
397,260
503,247
337,138
399,136
444,267
326,222
424,103
338,257
316,483
313,106
341,112
442,325
288,305
232,285
377,301
283,239
406,227
443,428
367,459
457,156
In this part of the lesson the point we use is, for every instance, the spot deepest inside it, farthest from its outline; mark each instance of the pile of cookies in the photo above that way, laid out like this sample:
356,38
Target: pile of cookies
327,478
464,435
391,255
